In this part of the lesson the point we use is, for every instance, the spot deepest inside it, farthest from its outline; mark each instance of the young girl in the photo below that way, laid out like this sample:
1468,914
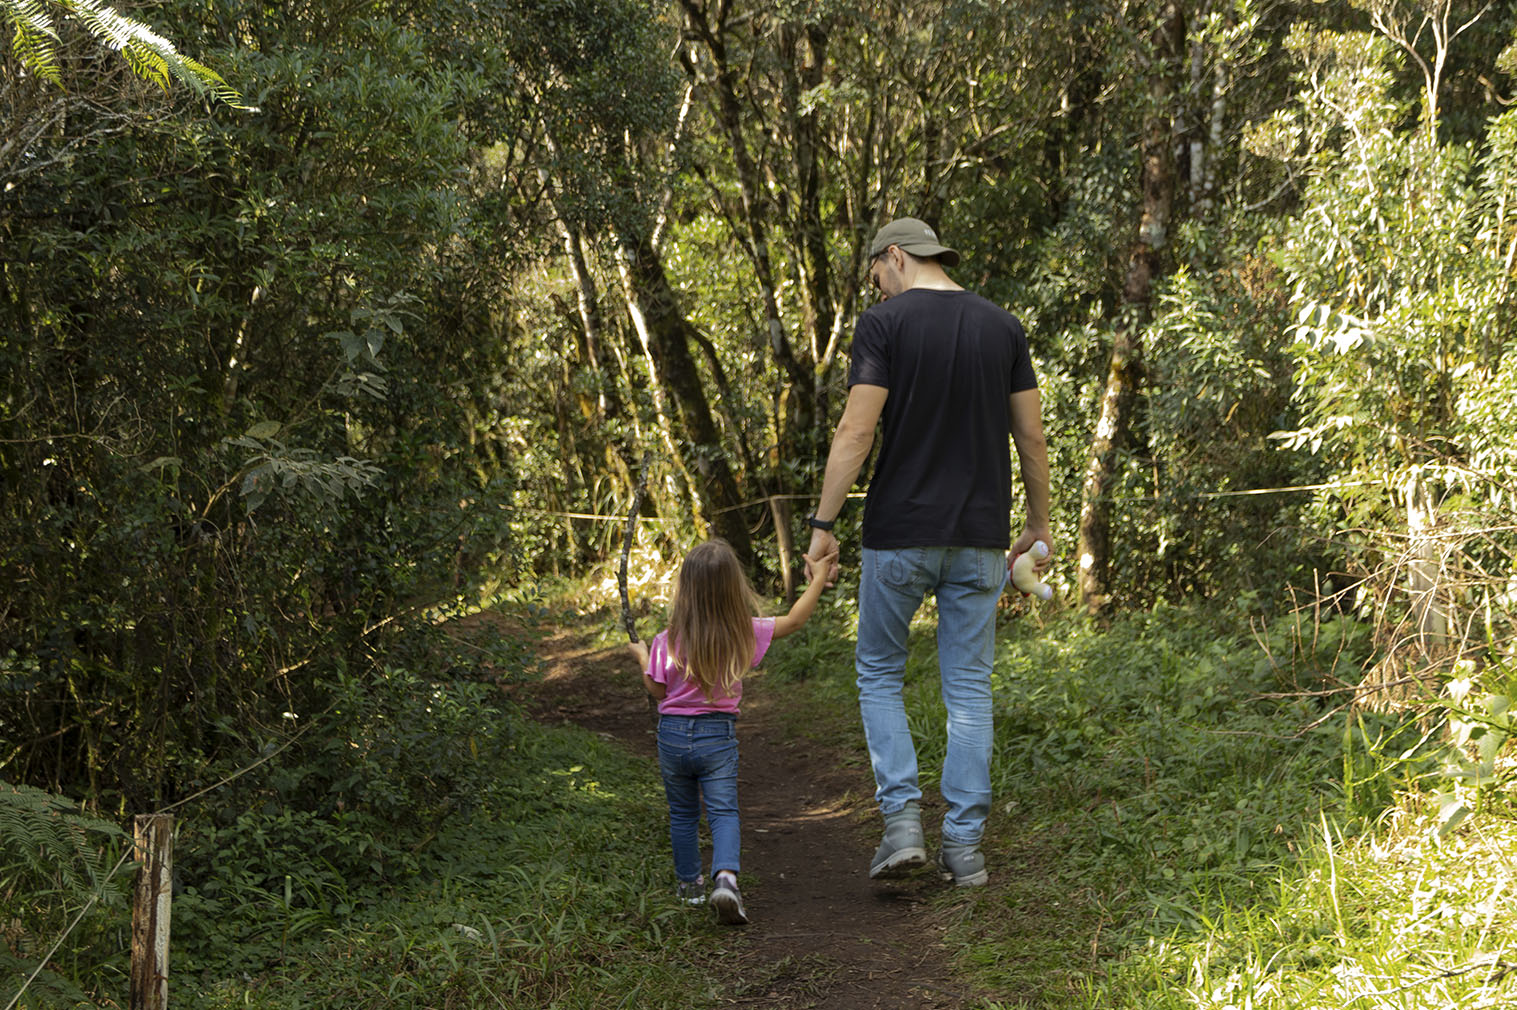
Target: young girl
695,669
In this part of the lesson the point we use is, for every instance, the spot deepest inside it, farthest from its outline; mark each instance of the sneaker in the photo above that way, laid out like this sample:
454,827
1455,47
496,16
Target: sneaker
728,902
903,849
691,892
963,864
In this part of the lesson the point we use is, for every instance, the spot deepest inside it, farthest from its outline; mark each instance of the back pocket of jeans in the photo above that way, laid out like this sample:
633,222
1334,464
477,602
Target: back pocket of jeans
901,568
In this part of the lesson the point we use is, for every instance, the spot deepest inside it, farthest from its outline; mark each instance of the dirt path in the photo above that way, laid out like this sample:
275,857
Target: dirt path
824,936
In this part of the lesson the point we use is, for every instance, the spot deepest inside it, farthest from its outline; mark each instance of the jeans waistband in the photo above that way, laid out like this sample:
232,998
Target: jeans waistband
680,722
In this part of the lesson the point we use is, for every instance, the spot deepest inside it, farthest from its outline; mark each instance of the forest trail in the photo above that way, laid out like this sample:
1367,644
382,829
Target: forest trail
823,936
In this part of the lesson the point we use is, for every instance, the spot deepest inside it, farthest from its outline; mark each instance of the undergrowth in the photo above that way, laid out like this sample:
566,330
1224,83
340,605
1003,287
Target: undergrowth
548,898
1181,821
1184,819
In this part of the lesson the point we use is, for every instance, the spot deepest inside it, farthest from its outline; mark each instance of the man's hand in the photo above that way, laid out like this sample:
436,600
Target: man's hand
822,557
1023,543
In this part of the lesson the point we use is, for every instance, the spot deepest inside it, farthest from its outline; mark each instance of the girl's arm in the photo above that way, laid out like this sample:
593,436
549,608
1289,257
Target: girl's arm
653,687
801,612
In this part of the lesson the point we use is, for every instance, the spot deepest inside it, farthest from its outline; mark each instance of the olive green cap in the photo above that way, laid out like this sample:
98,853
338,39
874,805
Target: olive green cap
915,237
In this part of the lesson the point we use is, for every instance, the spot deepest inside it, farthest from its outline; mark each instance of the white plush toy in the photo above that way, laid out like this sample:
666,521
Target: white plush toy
1023,576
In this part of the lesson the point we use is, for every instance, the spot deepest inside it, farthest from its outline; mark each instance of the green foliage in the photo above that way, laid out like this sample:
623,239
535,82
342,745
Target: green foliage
346,813
1164,714
1479,727
1400,280
64,887
235,356
1309,649
403,748
1218,384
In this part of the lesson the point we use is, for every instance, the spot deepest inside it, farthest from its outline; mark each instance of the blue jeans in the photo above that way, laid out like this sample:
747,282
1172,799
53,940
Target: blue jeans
697,755
966,581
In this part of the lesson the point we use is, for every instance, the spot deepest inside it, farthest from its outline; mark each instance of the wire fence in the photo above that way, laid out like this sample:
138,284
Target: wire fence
1195,496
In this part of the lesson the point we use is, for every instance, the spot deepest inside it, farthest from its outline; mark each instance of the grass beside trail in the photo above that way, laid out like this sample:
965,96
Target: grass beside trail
555,896
554,900
1166,836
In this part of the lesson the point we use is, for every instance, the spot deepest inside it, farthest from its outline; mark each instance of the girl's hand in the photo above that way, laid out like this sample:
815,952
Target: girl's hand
823,569
640,650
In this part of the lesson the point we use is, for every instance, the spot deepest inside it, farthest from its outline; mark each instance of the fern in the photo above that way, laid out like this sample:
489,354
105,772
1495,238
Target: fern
48,989
61,881
35,43
150,55
49,849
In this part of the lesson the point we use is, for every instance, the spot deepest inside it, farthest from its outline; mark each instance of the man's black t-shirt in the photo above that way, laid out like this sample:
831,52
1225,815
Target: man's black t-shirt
951,361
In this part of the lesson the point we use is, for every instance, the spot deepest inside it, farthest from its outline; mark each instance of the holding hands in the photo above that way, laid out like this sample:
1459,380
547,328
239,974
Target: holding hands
822,557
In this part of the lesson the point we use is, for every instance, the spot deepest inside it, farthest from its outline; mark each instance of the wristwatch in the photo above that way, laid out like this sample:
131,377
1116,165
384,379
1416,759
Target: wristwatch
819,524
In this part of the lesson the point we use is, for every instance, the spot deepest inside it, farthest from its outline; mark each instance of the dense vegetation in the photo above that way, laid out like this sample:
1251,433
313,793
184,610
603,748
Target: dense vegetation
385,321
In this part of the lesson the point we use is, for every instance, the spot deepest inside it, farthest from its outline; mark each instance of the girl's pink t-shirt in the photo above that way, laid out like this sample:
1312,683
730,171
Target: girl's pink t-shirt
684,695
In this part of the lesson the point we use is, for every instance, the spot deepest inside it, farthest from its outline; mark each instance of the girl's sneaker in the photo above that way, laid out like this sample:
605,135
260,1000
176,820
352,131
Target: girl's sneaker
728,902
691,892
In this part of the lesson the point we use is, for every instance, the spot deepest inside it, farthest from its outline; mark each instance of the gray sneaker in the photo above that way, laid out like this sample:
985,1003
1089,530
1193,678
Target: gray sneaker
728,902
903,848
963,864
691,892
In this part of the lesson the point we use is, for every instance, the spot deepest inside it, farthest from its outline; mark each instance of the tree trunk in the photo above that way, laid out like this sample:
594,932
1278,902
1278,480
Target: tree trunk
1143,265
153,843
814,259
669,335
689,488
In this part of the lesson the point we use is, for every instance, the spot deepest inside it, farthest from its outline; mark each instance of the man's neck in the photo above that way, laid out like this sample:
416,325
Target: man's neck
931,277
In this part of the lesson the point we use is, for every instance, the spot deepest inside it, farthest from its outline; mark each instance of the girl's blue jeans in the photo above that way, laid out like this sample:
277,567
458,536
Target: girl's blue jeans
697,755
892,585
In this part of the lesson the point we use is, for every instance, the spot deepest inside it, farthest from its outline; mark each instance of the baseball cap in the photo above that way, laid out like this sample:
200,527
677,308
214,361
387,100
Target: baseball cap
914,236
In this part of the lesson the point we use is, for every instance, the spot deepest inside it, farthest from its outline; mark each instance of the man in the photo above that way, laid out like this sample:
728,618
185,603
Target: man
950,377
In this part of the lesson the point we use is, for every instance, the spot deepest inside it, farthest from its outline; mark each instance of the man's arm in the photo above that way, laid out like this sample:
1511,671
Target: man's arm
850,448
1032,457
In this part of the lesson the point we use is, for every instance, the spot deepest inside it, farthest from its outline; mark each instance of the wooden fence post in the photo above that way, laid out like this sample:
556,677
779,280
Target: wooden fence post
153,837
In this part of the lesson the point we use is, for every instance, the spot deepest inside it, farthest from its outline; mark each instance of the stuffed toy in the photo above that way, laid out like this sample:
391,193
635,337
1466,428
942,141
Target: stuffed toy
1024,578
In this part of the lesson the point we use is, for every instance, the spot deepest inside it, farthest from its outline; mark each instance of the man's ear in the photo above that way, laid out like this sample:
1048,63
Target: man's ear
900,261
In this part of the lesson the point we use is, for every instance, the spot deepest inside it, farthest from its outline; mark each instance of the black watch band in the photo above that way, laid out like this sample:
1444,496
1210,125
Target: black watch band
819,524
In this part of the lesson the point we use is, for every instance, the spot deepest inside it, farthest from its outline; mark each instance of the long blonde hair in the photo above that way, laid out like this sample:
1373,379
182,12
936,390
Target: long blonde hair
711,618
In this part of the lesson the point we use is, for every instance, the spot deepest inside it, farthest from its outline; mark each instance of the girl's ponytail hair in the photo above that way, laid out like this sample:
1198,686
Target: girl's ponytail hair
711,618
